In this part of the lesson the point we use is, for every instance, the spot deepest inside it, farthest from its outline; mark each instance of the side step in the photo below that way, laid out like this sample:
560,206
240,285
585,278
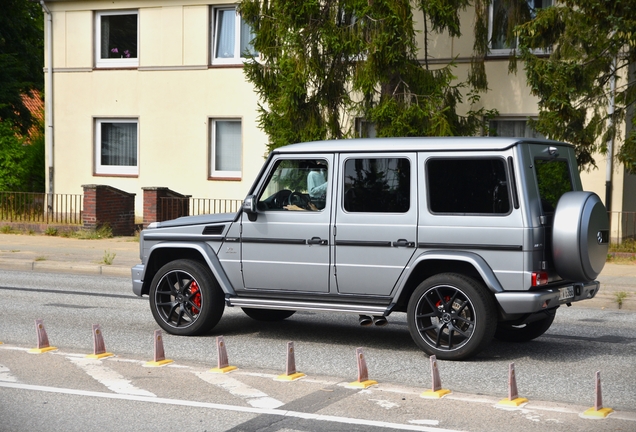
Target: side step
260,303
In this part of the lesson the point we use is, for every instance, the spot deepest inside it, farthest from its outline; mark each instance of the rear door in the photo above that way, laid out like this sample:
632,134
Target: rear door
376,221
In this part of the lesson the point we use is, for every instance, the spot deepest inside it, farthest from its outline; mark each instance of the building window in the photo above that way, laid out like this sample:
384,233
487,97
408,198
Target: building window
226,149
116,39
365,128
116,146
231,37
498,21
512,128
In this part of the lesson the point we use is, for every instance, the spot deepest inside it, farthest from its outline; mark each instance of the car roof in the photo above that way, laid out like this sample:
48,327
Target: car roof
411,144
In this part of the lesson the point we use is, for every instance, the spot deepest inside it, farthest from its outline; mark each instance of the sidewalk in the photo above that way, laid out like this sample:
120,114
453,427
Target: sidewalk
69,255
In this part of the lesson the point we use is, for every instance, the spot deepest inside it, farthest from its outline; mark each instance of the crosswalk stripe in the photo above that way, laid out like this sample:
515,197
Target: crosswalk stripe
5,374
108,377
252,396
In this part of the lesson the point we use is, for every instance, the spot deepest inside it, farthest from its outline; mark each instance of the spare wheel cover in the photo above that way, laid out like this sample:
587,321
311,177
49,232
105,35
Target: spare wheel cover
580,236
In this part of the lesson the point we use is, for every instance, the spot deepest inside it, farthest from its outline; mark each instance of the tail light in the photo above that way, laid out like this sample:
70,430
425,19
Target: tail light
539,278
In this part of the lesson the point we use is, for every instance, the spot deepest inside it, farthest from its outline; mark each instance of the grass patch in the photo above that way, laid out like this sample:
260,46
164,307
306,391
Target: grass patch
109,257
627,246
620,297
40,258
51,231
7,229
102,232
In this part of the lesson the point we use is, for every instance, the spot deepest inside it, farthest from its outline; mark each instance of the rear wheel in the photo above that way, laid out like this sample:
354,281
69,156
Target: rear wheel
451,316
523,333
270,315
185,298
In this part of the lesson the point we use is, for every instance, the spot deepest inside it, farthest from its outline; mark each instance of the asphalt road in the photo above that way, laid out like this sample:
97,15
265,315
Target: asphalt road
555,372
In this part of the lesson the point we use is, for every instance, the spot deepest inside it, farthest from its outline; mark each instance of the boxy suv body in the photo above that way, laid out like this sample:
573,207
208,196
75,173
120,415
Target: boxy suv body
473,238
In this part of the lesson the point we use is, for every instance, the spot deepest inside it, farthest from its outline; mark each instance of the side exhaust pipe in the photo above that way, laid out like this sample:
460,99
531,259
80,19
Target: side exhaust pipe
380,321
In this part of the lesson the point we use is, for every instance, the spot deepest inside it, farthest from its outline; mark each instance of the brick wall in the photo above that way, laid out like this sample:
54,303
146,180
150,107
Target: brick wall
161,203
108,205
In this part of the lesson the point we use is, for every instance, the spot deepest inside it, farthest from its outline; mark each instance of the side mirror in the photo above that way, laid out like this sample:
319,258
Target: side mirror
249,207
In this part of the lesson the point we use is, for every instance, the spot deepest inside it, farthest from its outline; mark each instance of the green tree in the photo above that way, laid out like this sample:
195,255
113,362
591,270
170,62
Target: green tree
21,58
589,42
325,62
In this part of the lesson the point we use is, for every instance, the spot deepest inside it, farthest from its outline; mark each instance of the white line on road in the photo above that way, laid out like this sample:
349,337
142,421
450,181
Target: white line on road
111,379
5,374
252,396
195,404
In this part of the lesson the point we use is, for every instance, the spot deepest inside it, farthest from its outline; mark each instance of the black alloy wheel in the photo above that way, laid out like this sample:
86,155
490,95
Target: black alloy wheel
451,316
185,298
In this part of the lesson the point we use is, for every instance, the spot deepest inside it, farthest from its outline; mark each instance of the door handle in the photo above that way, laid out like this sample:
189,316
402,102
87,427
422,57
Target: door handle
316,241
403,243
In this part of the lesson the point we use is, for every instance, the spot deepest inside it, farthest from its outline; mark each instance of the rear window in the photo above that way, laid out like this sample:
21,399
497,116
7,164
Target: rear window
553,178
468,186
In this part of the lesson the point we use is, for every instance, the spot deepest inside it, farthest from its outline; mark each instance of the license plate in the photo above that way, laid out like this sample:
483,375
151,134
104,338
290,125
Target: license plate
566,293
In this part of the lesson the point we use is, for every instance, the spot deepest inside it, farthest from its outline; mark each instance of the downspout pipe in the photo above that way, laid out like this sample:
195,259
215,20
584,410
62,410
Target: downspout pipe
48,100
610,141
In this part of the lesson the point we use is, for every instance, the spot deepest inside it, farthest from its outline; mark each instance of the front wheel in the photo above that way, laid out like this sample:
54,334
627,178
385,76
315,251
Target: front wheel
270,315
451,316
185,298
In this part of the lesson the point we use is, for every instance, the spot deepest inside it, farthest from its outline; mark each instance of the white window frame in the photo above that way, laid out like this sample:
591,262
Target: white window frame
236,59
116,170
495,52
516,118
113,62
219,174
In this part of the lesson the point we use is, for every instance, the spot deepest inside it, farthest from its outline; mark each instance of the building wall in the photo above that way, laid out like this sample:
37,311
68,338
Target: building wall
173,93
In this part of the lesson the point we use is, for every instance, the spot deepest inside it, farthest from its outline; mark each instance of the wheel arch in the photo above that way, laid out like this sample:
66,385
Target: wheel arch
435,262
162,253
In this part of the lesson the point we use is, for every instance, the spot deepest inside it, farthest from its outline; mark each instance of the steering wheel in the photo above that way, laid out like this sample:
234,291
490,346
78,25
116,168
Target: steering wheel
281,197
297,199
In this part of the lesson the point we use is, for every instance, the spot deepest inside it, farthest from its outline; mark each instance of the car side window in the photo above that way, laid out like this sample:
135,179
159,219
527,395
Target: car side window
381,185
468,186
296,185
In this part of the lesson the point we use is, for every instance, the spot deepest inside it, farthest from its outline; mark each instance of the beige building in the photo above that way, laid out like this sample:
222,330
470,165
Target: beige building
151,93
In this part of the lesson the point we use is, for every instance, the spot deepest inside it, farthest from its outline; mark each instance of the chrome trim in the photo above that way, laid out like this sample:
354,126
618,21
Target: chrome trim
309,306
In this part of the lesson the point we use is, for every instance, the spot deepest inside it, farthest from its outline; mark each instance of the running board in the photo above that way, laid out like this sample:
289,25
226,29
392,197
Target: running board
259,303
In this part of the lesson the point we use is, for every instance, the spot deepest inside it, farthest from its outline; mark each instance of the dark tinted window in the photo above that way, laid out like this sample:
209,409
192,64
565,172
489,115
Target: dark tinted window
380,185
553,177
475,186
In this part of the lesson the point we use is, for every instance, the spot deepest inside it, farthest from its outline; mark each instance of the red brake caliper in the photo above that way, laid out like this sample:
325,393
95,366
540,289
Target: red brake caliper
196,298
439,302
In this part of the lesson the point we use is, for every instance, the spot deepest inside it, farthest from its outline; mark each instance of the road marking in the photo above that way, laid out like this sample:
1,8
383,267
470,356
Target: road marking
108,377
195,404
5,374
252,396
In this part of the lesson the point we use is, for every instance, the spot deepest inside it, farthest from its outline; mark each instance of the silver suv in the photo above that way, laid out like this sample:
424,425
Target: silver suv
473,238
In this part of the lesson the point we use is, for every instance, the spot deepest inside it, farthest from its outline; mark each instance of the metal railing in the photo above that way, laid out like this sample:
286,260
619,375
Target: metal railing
30,207
173,207
622,226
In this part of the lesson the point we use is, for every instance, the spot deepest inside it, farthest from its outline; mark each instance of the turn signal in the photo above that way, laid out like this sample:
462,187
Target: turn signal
539,278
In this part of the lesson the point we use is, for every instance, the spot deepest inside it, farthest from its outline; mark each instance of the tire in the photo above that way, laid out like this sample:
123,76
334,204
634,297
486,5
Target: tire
185,298
523,333
580,236
451,316
270,315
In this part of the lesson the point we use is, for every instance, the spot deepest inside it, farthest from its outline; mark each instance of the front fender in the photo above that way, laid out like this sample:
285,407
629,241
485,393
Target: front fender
201,248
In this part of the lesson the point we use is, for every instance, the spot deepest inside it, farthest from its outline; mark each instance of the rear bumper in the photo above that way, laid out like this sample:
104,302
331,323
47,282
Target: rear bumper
523,302
137,281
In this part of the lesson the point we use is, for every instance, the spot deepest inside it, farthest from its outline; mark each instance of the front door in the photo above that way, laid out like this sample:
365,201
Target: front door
287,246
